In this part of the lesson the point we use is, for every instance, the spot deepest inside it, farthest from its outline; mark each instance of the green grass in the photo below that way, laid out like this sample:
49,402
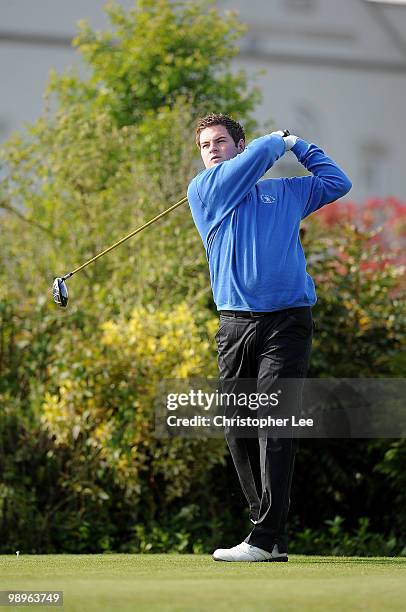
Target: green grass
164,583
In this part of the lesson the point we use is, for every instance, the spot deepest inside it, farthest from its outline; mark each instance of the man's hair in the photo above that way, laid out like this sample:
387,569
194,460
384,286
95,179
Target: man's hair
235,130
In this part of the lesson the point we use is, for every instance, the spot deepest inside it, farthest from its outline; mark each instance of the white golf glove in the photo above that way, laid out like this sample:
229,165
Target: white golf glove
289,140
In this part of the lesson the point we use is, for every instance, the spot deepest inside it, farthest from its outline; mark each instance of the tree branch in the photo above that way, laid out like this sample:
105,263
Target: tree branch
23,218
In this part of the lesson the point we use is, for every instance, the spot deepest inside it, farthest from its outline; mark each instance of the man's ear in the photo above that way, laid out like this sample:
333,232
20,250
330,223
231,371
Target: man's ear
241,146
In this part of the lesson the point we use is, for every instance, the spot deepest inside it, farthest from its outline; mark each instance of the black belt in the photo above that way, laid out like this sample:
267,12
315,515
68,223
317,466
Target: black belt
246,314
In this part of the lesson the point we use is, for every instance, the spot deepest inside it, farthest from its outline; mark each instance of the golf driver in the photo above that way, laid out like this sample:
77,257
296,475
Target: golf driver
59,288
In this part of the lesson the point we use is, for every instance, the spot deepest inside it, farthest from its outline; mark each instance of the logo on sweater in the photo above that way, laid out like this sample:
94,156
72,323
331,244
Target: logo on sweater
267,199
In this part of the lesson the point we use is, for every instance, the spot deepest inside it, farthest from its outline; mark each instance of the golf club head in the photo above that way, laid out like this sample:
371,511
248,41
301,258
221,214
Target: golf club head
60,292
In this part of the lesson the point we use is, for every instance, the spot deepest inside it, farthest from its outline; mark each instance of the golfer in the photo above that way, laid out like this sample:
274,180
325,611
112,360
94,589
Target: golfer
250,231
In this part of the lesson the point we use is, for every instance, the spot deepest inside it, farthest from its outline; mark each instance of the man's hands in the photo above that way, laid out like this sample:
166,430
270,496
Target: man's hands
289,139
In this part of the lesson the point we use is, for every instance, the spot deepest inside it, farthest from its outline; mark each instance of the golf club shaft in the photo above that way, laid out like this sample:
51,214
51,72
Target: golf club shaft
162,214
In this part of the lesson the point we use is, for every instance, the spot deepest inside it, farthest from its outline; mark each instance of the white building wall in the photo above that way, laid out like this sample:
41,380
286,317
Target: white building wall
35,37
352,118
335,72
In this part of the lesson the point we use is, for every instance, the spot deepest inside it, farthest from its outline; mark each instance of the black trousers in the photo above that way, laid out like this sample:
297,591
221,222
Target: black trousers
265,348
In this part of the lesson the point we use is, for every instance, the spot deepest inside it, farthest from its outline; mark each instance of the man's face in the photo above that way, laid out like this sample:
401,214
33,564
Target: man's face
216,145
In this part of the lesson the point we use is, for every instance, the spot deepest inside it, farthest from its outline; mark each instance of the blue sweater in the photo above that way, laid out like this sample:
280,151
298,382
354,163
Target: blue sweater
250,228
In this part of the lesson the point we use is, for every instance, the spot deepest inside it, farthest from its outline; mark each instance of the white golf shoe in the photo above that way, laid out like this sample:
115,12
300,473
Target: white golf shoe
246,552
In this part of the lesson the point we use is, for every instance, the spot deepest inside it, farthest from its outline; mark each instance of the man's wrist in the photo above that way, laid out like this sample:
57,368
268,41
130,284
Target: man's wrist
300,148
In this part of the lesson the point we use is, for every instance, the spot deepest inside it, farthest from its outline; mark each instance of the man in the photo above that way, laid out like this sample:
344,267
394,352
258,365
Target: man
250,230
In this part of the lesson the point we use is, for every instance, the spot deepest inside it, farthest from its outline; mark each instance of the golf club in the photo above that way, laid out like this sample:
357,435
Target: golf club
59,288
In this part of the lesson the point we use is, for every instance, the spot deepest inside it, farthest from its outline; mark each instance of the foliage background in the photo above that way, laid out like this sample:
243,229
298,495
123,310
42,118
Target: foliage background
80,468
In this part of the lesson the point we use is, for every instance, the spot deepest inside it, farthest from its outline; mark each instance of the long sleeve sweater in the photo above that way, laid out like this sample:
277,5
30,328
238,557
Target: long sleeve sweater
250,227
